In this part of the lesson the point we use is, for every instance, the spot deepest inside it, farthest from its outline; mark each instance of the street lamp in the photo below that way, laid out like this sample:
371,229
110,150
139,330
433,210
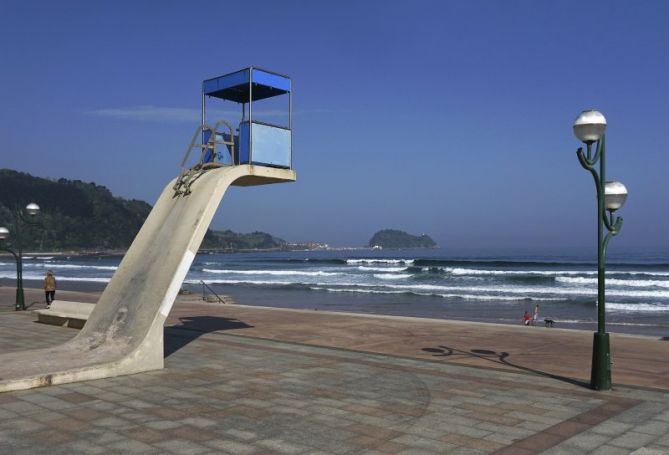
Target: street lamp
32,210
589,128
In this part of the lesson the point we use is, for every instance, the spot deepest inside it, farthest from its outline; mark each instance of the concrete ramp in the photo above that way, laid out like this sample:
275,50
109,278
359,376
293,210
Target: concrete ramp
124,333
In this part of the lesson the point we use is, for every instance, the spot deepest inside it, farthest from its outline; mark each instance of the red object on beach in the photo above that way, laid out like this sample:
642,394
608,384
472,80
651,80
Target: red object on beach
526,318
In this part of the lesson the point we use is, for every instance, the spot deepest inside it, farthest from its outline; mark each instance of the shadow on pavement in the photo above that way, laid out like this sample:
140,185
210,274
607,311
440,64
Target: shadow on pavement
498,357
191,328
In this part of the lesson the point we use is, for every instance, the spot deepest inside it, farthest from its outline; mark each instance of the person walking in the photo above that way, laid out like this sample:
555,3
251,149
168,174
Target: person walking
536,314
49,288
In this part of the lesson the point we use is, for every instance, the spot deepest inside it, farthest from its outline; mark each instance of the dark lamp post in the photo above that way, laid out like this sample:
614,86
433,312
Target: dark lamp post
589,128
32,210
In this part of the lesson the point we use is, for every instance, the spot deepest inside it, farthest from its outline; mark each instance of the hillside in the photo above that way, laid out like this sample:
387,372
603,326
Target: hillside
80,216
392,238
75,215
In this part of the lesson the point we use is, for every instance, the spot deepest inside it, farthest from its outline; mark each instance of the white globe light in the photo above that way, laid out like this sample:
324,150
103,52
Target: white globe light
615,195
32,209
4,233
589,126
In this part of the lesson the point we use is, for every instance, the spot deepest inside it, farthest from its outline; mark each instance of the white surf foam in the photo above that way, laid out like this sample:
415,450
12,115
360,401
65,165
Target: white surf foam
637,307
532,290
464,271
392,276
361,291
254,282
86,279
428,294
382,269
380,261
556,273
32,276
615,282
72,266
271,272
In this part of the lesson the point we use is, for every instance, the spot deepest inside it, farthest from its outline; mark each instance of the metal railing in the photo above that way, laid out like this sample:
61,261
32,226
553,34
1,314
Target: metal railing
205,286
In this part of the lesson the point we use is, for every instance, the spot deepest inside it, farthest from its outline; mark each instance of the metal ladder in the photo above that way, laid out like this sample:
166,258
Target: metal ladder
182,186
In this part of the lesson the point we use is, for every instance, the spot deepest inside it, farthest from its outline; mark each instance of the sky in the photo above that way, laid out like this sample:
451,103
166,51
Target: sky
449,118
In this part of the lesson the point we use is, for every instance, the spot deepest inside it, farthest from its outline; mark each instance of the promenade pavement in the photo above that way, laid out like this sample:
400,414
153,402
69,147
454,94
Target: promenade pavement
240,380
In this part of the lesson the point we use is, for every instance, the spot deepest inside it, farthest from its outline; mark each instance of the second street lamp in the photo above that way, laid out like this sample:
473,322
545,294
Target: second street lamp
589,127
31,209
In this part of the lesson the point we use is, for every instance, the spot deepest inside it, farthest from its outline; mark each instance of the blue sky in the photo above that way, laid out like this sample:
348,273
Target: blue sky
449,118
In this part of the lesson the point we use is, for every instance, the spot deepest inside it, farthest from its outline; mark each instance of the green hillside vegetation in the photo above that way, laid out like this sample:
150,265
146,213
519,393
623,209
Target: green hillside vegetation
74,215
80,216
392,238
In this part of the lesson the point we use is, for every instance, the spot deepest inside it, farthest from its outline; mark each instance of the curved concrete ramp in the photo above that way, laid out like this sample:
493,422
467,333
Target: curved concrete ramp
124,333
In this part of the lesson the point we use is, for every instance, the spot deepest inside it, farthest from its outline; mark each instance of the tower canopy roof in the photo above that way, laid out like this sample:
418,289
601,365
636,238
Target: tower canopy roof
249,84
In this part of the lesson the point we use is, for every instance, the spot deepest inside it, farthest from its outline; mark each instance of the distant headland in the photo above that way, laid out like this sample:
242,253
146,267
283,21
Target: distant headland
393,238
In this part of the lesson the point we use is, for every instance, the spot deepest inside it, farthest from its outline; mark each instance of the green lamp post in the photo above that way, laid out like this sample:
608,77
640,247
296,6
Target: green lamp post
31,209
589,128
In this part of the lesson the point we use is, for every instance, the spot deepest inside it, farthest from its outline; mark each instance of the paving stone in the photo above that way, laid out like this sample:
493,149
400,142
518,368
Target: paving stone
231,447
281,446
610,450
241,435
84,447
181,447
648,451
416,442
587,441
163,424
132,447
612,428
632,440
564,450
656,427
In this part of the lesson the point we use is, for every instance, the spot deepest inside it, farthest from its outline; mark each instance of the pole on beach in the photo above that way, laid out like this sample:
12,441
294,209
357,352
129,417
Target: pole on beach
589,128
31,209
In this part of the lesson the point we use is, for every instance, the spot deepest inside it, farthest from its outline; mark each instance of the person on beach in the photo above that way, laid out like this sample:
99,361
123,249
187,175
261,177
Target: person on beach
526,318
536,314
49,288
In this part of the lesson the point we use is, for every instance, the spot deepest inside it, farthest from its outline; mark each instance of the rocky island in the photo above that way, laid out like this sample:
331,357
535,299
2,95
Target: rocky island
392,238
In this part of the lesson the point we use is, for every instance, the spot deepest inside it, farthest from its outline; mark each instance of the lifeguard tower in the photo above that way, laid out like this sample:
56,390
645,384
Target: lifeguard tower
124,332
260,135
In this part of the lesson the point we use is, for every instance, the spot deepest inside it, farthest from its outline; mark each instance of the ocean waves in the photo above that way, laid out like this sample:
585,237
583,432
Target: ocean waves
482,292
636,288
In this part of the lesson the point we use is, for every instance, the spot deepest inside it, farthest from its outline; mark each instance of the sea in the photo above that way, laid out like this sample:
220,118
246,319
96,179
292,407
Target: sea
467,285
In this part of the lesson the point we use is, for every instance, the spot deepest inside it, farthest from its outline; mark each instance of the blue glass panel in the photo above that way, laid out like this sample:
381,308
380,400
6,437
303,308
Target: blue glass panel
244,143
271,145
